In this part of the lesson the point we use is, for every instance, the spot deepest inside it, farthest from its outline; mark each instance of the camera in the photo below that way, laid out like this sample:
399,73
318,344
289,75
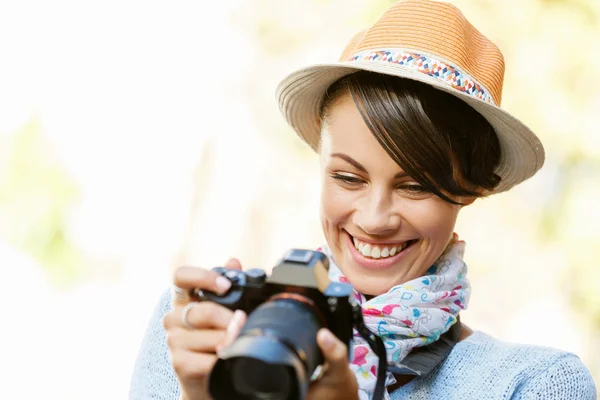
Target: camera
276,353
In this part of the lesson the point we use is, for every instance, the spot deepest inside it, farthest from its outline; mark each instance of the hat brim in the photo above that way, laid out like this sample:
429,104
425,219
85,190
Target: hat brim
301,93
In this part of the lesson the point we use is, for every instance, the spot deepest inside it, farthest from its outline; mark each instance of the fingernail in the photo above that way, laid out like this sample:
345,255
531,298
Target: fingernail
233,329
235,322
223,284
327,339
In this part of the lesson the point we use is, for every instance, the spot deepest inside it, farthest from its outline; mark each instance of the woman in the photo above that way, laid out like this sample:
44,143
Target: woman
409,130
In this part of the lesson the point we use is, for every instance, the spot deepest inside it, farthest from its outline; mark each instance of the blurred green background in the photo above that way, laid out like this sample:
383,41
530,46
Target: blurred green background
135,137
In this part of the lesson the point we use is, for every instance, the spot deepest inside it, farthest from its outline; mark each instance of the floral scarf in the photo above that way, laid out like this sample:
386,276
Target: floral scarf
409,315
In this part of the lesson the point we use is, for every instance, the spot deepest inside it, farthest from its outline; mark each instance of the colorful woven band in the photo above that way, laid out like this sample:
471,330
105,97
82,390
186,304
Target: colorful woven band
445,72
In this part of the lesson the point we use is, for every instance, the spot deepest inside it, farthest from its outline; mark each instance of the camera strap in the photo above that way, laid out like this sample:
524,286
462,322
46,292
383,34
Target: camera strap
376,345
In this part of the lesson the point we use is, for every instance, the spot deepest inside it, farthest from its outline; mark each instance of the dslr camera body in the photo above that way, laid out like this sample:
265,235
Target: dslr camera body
276,353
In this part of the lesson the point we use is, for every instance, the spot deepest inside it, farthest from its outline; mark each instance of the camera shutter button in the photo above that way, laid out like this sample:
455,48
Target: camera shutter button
256,276
233,275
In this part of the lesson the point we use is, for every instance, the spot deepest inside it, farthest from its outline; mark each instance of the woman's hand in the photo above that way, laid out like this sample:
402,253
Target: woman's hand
337,381
193,351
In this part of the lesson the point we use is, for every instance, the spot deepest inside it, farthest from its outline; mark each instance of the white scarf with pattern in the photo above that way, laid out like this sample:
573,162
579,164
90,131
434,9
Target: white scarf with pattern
410,315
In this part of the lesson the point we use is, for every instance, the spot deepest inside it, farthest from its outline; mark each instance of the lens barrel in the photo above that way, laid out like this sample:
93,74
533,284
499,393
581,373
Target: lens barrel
274,356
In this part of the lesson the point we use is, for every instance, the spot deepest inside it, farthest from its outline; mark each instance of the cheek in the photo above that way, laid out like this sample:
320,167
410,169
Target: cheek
432,218
336,205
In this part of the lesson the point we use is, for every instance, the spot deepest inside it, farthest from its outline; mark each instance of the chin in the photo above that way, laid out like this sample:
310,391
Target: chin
371,285
371,290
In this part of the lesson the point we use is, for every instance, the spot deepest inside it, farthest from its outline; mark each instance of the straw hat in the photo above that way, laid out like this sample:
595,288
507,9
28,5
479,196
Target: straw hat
430,42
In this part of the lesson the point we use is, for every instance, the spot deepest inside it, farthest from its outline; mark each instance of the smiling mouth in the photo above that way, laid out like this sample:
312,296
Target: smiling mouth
379,251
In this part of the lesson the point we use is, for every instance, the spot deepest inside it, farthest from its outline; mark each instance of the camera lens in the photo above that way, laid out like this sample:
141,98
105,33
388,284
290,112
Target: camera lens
259,380
273,357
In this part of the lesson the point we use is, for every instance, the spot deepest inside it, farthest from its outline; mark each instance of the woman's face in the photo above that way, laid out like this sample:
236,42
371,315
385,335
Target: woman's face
382,228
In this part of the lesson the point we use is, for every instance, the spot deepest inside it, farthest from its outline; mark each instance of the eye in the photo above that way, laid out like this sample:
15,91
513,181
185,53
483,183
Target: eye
413,188
347,179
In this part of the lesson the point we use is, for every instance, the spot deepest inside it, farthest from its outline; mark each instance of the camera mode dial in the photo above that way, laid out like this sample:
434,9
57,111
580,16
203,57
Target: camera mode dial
256,276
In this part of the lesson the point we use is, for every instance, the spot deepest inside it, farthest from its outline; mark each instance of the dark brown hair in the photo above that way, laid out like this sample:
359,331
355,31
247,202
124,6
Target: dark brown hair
438,139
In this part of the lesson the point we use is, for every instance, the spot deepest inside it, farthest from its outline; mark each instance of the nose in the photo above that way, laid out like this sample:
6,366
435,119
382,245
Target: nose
376,215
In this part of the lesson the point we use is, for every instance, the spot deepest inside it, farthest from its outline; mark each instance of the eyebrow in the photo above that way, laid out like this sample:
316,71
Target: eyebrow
360,167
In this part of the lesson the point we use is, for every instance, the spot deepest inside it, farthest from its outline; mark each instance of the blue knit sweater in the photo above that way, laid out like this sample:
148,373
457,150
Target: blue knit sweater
479,367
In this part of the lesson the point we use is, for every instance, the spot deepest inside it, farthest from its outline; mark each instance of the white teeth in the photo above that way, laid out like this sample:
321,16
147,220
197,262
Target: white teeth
375,253
366,250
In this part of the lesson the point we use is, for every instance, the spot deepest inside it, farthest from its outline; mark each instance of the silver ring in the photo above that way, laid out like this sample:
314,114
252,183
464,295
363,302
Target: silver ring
185,312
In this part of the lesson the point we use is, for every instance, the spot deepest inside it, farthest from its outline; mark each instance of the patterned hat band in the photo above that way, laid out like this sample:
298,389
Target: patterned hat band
427,65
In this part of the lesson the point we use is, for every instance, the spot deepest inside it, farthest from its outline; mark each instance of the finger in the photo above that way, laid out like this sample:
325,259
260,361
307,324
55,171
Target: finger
233,329
191,365
334,351
187,278
233,263
198,341
200,316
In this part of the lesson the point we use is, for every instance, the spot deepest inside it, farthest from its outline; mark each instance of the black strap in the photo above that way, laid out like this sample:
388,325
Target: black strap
422,360
376,345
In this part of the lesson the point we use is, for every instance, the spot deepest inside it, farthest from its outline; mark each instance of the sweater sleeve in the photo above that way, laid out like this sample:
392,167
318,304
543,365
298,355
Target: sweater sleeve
153,377
567,378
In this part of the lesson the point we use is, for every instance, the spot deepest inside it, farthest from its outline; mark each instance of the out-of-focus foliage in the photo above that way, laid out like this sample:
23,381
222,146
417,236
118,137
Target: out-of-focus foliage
36,194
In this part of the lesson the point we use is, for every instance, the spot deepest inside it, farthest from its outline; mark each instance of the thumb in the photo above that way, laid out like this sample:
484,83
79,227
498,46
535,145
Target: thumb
233,263
334,351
